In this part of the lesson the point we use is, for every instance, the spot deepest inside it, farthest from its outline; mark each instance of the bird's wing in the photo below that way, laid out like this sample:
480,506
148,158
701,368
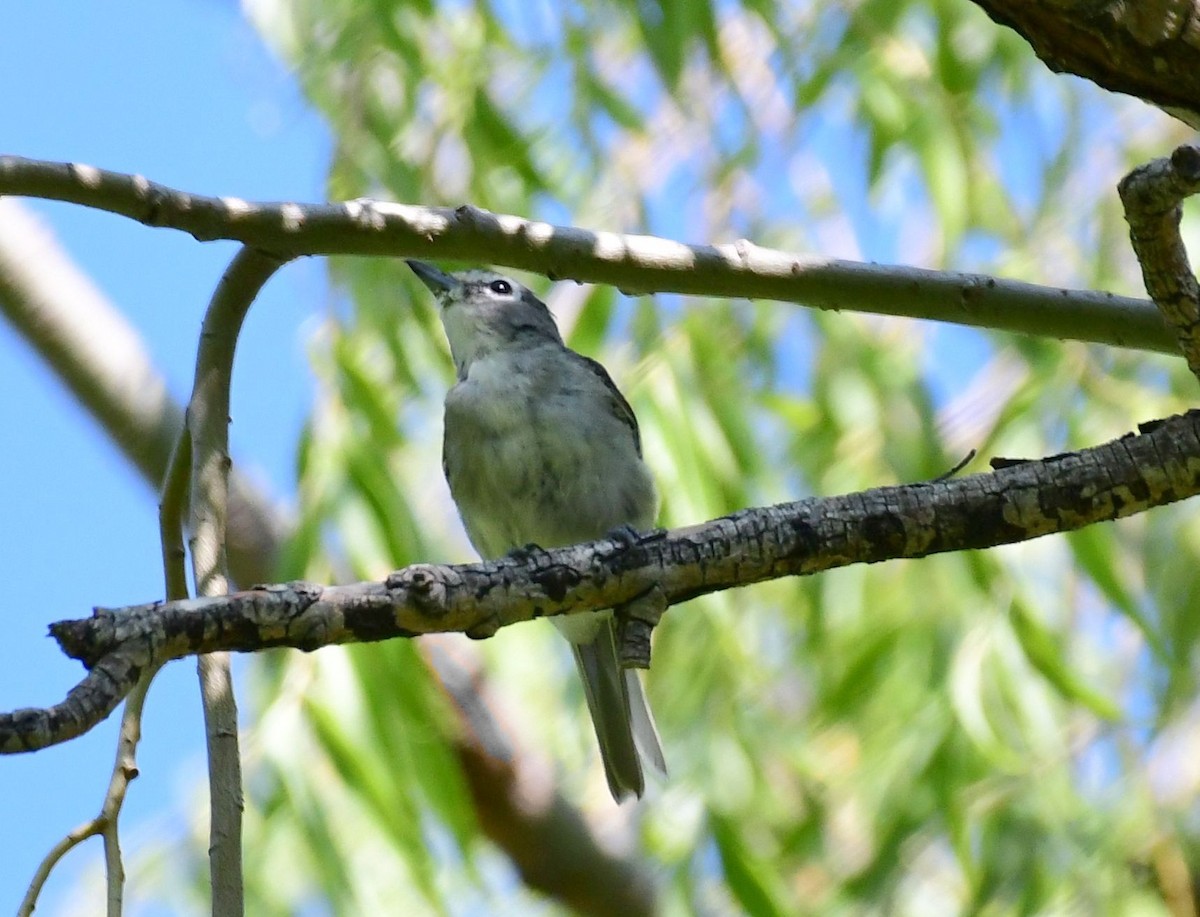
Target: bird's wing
620,406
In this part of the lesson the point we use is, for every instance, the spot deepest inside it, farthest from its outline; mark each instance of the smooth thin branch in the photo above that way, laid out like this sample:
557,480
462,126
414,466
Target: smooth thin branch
171,504
633,263
208,413
1021,501
208,509
1153,196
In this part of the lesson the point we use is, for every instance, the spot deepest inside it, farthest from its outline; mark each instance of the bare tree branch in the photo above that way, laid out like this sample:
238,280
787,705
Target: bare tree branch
1149,49
1020,501
635,264
171,505
208,509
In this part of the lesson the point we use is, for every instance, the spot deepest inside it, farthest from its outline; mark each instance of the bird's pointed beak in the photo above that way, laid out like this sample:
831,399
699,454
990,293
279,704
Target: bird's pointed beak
437,281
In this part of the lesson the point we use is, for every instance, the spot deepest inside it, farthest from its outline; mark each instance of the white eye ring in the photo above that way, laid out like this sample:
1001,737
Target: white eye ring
500,287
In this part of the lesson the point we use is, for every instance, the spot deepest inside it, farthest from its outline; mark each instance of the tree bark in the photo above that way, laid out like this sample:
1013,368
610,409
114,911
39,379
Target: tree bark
1144,48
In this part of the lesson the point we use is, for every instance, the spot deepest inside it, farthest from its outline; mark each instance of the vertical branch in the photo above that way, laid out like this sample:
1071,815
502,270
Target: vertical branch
1153,196
208,431
170,517
170,514
124,770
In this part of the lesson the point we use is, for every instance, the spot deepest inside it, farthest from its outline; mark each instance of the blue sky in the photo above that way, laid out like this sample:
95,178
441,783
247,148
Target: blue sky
185,93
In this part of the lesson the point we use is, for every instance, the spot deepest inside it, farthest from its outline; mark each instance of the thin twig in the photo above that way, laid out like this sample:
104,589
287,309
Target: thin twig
42,873
124,771
104,824
125,768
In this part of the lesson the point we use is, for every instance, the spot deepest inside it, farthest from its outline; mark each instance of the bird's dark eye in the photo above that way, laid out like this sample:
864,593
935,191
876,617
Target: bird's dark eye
500,287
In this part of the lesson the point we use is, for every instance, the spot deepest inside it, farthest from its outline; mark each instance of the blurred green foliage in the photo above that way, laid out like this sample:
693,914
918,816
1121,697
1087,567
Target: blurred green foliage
994,732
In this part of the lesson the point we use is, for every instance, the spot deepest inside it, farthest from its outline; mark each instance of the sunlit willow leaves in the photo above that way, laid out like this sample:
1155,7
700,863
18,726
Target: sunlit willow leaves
995,732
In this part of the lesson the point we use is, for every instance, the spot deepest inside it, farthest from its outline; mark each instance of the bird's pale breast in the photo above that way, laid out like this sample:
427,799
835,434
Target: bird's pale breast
528,462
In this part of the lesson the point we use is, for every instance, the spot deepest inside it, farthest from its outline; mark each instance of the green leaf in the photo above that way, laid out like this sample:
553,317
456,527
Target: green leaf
750,878
1044,652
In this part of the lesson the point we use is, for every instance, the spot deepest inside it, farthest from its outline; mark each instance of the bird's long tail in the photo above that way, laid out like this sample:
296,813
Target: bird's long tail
620,714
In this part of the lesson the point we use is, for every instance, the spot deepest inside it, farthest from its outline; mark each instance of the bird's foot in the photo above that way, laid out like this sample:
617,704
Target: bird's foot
525,553
625,535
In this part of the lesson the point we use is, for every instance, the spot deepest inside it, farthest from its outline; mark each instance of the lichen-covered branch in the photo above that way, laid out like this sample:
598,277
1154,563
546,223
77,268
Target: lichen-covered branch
633,263
1153,196
1149,48
1020,501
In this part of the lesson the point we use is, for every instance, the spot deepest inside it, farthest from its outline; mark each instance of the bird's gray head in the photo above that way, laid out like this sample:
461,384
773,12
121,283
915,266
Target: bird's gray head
483,311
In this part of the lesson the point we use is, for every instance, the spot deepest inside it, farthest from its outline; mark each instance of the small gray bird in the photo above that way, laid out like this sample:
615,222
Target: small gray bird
540,448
